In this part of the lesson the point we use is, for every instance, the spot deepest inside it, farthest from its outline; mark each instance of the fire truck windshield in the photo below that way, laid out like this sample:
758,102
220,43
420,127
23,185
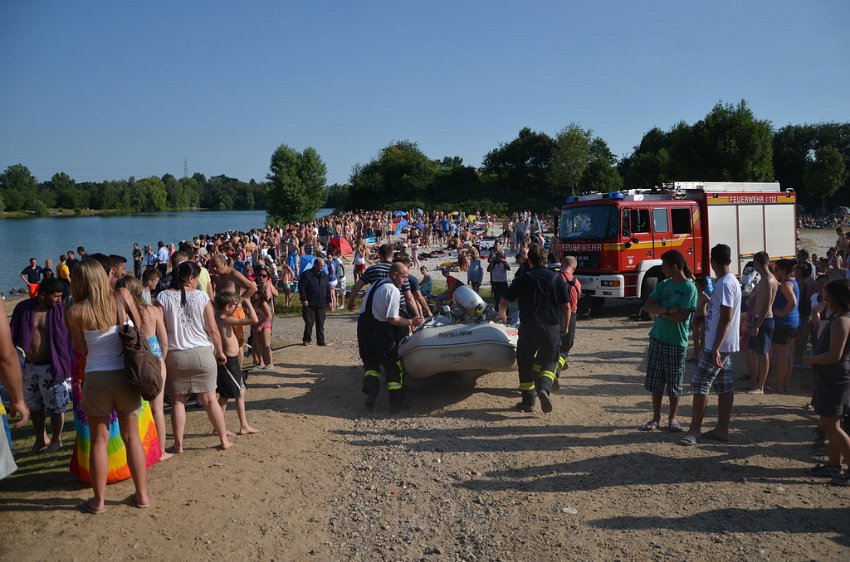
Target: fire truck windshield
595,222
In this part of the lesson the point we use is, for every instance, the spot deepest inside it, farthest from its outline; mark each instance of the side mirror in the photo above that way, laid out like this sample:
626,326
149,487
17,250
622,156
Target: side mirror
634,240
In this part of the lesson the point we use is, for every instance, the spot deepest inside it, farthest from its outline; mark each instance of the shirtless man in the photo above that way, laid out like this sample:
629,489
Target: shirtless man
38,327
761,330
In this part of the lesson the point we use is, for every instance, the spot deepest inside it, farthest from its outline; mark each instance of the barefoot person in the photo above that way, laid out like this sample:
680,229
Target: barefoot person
229,279
93,321
786,320
761,327
231,380
714,368
153,329
672,303
194,347
38,327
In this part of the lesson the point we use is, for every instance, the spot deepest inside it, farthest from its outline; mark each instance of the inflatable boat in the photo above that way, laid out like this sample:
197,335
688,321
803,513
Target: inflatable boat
459,342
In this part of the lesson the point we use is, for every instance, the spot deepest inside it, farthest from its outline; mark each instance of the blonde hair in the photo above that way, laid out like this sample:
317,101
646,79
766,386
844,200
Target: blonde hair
134,287
93,304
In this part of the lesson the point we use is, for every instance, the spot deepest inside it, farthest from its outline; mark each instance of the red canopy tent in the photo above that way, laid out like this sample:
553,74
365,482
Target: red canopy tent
342,244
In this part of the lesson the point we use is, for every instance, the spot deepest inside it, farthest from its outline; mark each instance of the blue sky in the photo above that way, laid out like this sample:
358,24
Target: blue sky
108,90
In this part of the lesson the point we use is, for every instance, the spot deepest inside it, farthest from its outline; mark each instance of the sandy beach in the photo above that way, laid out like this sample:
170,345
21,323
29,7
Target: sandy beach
462,477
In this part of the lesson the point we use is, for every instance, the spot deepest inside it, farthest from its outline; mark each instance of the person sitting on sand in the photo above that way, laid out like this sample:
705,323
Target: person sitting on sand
231,379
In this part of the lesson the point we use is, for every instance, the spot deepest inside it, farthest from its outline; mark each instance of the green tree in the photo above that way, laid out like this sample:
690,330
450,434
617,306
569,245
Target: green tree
569,159
148,195
297,181
401,172
730,144
17,177
825,173
522,165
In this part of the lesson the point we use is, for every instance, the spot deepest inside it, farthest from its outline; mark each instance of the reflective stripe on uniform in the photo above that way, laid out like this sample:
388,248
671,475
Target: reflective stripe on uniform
535,368
525,386
393,386
371,373
562,361
548,374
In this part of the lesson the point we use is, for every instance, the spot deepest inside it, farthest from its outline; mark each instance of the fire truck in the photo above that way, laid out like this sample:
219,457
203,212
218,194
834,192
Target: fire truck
619,238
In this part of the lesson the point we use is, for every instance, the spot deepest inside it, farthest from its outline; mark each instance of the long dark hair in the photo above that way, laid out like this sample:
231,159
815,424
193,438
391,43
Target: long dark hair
839,292
180,278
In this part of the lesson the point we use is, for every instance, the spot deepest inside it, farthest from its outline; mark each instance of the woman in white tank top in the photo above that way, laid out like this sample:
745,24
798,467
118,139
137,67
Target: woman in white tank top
93,325
194,348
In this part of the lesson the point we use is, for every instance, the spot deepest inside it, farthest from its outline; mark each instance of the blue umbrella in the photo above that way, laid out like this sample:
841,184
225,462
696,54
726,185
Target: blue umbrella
399,214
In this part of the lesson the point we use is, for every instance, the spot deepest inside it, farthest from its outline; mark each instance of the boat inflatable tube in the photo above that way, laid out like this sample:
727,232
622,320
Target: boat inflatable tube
465,348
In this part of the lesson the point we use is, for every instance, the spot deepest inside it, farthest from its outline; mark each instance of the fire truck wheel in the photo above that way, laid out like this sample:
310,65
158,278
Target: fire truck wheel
649,284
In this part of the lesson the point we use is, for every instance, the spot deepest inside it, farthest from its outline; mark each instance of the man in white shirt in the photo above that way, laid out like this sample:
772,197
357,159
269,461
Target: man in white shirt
376,336
721,341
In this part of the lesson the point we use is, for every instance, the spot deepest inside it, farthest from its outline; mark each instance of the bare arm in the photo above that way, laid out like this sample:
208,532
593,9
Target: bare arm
566,315
787,289
838,337
356,289
723,325
212,330
161,332
412,304
248,288
10,374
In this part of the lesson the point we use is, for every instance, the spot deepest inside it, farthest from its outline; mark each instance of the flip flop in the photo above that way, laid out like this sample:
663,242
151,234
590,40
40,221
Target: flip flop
648,426
688,440
674,427
86,507
712,436
135,503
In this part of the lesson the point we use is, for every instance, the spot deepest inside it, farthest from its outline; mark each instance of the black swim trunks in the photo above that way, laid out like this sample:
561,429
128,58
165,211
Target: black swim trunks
231,379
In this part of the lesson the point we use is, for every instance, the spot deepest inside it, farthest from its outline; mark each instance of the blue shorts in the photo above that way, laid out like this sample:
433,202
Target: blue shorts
760,343
708,376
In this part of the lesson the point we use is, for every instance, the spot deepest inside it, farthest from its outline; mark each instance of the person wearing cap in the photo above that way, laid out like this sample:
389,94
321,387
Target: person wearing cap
543,310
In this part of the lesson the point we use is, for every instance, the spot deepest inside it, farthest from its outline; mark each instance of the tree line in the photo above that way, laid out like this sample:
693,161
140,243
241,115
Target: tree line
21,192
533,171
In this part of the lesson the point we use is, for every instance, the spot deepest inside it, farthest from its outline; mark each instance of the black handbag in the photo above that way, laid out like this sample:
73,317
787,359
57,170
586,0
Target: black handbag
142,366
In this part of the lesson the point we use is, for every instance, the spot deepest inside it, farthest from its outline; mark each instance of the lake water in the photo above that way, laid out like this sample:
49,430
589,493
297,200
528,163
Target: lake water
21,239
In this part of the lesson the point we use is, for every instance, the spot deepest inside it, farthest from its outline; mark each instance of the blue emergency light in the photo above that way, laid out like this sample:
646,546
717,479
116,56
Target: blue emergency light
572,199
614,195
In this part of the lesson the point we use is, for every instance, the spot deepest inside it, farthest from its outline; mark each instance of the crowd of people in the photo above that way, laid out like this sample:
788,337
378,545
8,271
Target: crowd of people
194,302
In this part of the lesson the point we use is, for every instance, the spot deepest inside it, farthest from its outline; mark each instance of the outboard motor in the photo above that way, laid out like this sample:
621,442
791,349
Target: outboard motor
469,301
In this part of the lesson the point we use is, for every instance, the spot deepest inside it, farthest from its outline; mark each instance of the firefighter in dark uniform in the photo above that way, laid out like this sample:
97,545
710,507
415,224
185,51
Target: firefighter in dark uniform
543,308
377,338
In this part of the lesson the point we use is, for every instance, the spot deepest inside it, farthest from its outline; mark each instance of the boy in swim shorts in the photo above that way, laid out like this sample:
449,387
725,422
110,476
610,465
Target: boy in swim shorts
231,379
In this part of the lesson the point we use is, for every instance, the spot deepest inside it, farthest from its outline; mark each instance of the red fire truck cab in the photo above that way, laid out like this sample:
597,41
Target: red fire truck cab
619,238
